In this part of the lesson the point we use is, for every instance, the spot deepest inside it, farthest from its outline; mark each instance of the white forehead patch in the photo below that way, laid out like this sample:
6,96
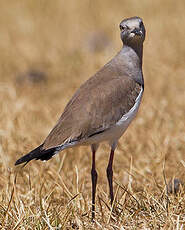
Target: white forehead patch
133,23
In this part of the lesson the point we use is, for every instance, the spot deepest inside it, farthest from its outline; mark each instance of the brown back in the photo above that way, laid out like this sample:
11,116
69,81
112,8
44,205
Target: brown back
96,106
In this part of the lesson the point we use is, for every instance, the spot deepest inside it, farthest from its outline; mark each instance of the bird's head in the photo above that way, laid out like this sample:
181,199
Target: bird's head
132,31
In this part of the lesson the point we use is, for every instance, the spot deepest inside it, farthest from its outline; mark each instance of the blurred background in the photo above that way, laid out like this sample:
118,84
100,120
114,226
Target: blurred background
49,48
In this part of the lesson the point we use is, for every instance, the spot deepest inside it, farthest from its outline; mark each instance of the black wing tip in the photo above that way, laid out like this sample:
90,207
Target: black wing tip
21,161
25,159
18,162
30,156
37,154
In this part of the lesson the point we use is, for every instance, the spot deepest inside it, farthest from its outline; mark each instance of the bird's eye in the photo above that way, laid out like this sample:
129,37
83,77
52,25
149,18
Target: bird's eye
141,24
122,27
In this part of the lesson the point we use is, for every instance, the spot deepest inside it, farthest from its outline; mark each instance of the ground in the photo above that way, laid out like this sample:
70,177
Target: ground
47,50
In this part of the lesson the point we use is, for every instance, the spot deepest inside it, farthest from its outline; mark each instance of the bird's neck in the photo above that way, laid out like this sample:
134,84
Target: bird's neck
130,60
138,49
139,52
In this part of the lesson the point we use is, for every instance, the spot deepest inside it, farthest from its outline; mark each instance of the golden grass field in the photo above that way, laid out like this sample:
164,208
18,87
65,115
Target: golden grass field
63,39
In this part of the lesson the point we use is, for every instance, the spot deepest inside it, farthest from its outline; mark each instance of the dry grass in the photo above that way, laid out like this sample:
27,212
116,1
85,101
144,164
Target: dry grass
60,38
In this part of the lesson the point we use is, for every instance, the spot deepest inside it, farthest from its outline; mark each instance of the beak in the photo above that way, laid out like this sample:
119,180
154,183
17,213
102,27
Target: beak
137,32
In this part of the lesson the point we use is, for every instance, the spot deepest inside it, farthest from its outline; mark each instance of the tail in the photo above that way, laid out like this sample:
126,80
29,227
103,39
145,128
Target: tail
38,154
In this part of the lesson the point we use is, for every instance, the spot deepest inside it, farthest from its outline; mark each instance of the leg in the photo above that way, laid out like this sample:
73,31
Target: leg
110,172
94,177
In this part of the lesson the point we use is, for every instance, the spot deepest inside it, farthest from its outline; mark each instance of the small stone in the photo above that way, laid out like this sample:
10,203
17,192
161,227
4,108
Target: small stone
32,76
174,186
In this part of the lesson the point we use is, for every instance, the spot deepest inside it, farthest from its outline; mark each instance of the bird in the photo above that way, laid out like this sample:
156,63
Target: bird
102,108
